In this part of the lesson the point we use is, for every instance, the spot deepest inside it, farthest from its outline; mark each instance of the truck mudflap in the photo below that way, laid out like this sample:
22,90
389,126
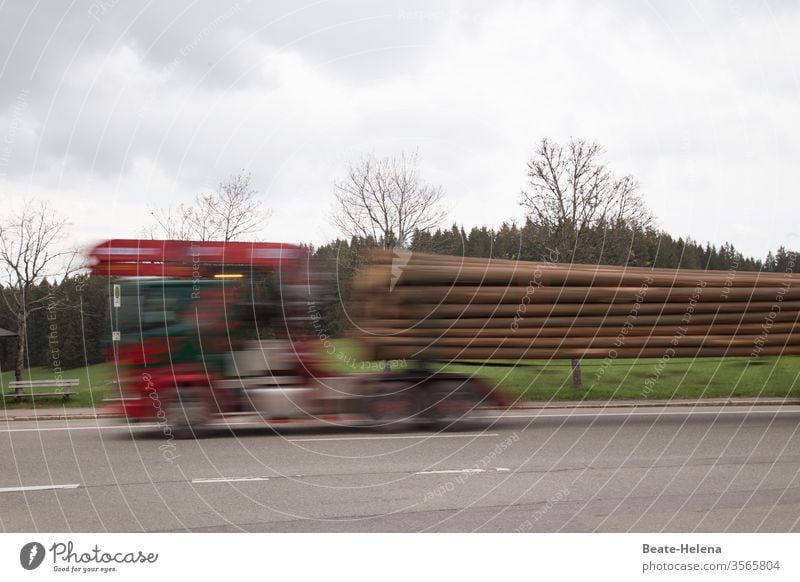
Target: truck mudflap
485,394
492,395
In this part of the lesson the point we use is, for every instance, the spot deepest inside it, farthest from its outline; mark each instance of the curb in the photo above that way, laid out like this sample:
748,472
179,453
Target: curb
76,416
533,405
525,405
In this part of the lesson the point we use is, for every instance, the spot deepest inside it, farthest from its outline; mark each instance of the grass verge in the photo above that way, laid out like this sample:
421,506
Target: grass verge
621,379
645,379
95,383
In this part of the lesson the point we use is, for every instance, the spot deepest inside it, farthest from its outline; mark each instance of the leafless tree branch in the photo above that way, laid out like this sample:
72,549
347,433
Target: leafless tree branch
30,251
572,191
386,199
229,213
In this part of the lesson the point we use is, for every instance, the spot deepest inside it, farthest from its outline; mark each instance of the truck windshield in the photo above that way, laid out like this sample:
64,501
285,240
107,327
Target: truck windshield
146,307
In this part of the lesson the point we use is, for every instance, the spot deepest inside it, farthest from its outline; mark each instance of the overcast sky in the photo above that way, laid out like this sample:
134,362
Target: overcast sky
109,109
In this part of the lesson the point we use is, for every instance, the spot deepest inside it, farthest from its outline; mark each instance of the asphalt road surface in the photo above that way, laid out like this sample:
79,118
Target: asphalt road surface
613,470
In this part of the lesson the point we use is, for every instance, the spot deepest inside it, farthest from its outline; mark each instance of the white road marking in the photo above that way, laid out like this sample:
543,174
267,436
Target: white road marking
468,471
39,487
229,479
451,471
396,436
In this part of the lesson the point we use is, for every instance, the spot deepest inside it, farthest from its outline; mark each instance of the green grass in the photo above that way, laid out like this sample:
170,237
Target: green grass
94,385
646,378
533,380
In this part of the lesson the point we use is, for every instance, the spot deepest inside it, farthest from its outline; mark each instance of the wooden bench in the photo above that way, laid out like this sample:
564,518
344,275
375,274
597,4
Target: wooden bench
43,388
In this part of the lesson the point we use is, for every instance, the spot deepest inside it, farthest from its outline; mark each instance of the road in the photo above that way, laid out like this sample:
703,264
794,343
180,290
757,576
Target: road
612,470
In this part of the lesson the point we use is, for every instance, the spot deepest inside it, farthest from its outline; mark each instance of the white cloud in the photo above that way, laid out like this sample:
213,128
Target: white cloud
699,102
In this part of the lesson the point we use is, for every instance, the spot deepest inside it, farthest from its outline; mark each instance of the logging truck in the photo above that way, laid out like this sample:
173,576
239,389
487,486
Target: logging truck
203,331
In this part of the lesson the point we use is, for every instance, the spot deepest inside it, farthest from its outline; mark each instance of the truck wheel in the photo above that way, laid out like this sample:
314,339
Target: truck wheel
450,401
393,409
187,413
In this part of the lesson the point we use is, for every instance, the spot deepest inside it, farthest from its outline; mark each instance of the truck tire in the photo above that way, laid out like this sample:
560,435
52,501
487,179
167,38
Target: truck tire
187,413
393,408
450,401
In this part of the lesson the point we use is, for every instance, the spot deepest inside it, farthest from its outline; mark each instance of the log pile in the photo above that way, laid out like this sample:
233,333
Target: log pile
421,306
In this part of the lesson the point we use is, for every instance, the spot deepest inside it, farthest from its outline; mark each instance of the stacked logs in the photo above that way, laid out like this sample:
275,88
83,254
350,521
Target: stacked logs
423,306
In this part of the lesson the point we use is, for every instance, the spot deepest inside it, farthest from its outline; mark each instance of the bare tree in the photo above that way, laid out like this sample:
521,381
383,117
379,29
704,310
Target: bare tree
572,193
576,198
30,251
227,214
230,213
169,224
386,199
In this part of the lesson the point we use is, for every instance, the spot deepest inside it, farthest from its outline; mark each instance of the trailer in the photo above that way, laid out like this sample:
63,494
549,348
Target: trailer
452,309
204,331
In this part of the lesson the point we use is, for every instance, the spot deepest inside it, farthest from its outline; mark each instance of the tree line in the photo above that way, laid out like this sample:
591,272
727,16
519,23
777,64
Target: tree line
72,328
